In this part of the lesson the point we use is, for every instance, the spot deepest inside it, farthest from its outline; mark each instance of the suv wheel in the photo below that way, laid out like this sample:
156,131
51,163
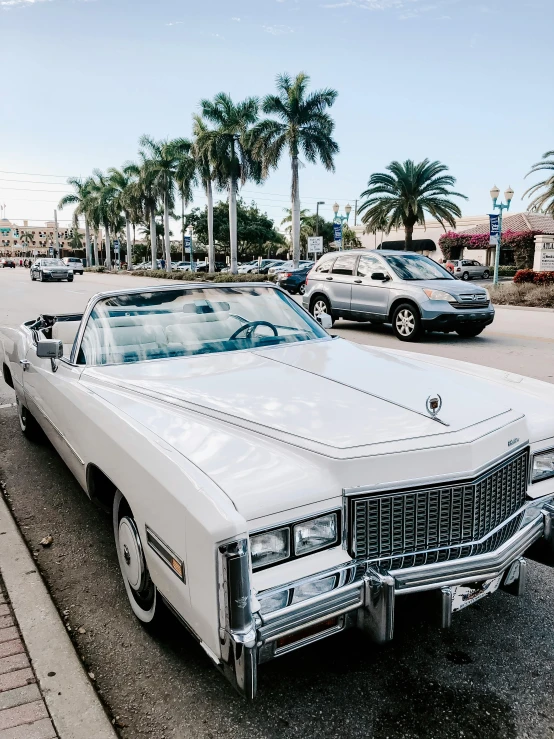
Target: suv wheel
302,289
406,322
465,276
320,305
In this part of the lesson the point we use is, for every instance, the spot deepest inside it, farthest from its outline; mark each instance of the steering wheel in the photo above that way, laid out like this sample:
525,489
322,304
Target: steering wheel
251,327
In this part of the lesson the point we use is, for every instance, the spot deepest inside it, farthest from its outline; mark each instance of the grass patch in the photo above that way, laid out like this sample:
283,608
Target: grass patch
524,294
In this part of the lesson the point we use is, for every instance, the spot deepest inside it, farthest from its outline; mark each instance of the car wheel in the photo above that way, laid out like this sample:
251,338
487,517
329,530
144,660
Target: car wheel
465,276
70,279
28,423
469,332
320,305
406,322
302,289
141,591
40,277
32,276
486,274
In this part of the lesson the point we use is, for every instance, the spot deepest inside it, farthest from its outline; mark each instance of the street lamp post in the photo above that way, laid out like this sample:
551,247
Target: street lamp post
508,194
340,219
320,202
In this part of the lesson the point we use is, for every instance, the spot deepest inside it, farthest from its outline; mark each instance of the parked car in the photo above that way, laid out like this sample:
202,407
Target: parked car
264,269
7,262
467,269
256,265
205,267
277,486
295,280
407,290
48,268
182,266
75,264
288,265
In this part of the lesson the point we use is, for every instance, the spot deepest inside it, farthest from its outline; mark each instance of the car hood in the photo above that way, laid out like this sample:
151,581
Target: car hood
329,396
454,287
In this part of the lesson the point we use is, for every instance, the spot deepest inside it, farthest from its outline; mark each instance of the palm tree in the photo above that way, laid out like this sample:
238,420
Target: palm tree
401,198
306,224
81,198
204,158
303,126
185,179
160,161
228,148
544,202
122,182
147,194
27,237
105,207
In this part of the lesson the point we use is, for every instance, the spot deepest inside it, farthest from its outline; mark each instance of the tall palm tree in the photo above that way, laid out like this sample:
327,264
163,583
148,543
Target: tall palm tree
160,161
306,225
401,198
185,179
27,237
122,182
148,195
81,199
105,207
228,147
204,158
544,202
303,127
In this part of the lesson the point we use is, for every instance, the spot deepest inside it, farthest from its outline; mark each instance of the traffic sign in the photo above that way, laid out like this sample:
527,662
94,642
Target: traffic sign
315,244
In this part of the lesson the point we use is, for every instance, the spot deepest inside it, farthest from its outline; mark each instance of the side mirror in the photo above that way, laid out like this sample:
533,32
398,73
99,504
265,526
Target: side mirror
380,276
49,349
325,320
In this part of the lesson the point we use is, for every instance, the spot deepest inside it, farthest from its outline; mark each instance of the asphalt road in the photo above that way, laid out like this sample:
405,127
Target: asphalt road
489,677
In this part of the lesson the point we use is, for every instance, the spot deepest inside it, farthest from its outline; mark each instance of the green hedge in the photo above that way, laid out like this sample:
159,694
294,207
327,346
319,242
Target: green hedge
201,276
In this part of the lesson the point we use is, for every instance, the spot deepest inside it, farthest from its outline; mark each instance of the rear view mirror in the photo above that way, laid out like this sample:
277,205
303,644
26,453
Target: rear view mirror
49,349
379,276
325,320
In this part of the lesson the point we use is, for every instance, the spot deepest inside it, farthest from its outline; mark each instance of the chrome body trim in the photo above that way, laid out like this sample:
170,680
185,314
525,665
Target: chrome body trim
165,553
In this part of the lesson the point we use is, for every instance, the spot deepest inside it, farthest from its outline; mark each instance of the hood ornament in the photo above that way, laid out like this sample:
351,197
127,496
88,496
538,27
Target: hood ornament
433,405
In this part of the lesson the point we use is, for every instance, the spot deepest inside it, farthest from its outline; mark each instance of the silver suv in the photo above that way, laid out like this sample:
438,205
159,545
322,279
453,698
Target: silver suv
467,269
409,291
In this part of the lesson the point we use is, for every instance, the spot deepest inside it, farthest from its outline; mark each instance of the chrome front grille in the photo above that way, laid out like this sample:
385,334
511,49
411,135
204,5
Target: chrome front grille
426,525
471,306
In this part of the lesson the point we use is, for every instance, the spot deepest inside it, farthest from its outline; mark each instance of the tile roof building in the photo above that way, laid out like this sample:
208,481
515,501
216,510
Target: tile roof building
517,222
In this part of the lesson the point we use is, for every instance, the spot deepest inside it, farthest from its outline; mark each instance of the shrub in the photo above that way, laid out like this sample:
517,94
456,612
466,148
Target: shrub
524,275
95,269
201,276
544,278
524,294
505,270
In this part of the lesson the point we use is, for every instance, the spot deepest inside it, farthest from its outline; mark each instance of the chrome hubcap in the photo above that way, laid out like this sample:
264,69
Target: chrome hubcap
132,556
319,308
405,322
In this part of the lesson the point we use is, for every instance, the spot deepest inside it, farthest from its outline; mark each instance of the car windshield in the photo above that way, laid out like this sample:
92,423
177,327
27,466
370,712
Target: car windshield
134,327
52,263
416,267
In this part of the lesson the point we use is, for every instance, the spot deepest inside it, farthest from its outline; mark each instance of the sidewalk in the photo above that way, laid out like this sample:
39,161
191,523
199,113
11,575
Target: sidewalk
44,690
23,712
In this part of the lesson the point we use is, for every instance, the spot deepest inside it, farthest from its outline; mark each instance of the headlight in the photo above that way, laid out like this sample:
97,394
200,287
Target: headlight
274,602
439,295
270,547
487,293
315,534
313,588
543,466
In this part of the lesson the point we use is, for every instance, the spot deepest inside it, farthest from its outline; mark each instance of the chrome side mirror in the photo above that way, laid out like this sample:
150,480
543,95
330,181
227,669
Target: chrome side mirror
49,349
325,320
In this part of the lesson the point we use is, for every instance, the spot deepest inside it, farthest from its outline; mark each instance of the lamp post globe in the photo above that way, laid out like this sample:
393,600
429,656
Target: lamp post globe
495,192
509,194
335,208
348,210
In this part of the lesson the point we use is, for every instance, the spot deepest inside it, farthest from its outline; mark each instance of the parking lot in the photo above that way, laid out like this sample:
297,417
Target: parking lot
488,677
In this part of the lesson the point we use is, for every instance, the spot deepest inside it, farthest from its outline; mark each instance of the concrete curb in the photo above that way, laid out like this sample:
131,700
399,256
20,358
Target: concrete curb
523,307
71,700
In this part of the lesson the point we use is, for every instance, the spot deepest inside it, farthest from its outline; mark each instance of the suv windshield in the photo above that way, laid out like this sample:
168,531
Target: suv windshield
416,267
182,322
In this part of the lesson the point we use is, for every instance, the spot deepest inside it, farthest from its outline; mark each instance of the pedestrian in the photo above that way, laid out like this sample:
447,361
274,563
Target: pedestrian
162,262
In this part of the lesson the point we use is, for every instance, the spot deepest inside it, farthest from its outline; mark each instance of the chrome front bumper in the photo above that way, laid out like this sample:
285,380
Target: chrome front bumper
367,603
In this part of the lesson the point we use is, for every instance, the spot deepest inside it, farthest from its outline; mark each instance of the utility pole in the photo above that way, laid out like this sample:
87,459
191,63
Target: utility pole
320,202
355,211
56,239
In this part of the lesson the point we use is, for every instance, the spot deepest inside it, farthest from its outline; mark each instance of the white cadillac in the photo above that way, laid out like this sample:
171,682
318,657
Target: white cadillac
274,485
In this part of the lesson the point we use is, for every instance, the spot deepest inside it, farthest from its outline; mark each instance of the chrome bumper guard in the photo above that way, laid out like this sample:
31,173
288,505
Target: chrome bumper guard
249,639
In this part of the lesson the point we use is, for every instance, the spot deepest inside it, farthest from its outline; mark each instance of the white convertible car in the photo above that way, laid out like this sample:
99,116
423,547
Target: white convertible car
274,485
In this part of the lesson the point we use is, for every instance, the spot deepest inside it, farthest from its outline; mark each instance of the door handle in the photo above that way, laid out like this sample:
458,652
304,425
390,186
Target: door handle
358,282
328,278
25,364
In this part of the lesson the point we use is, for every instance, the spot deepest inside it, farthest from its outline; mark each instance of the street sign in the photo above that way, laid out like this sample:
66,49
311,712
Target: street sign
315,244
116,246
494,229
50,251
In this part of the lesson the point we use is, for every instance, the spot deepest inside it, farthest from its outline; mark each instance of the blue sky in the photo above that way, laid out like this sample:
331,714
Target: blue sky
467,82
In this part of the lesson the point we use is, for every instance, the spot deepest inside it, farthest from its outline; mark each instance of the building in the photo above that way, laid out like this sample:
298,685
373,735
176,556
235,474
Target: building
25,240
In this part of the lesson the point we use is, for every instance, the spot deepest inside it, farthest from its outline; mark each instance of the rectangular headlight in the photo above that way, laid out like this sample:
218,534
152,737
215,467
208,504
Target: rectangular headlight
543,466
316,533
313,588
274,602
270,547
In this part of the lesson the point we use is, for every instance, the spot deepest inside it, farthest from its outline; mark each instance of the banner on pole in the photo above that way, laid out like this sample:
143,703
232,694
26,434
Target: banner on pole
494,229
337,230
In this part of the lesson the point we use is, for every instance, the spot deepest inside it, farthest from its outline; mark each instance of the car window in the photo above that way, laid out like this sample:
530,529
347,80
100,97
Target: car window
325,266
344,265
416,267
368,265
134,327
467,263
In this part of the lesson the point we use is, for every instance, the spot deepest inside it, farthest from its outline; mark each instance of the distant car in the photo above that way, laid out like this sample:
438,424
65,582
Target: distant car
288,265
205,267
182,266
295,280
5,262
467,269
75,264
271,263
51,269
413,293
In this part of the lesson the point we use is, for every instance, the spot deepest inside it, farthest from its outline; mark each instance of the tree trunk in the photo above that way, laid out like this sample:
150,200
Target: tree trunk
153,239
87,244
95,247
211,245
409,232
129,247
295,213
166,233
108,247
233,224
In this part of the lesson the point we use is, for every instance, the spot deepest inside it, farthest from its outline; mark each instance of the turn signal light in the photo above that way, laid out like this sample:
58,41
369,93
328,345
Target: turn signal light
297,636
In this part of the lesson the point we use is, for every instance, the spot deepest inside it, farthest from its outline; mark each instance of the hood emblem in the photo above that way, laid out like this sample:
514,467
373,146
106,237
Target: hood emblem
433,405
